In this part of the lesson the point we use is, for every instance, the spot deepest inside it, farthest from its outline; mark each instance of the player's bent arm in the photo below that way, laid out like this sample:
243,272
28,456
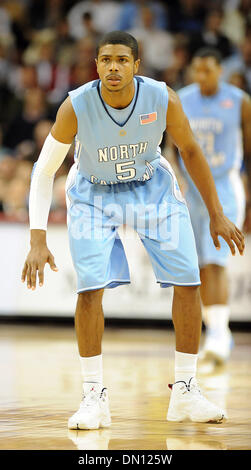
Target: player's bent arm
179,128
177,125
65,127
52,155
170,153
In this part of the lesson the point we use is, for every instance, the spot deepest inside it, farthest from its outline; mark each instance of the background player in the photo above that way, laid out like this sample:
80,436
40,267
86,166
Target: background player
220,117
118,122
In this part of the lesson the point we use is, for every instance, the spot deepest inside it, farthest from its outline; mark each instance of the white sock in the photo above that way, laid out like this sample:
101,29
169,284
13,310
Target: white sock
216,317
92,371
185,366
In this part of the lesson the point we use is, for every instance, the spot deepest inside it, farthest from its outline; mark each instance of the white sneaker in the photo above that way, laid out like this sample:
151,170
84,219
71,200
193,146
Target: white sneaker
93,412
218,345
187,403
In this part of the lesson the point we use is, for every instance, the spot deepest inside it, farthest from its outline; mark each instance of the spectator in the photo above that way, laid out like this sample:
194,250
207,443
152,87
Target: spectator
90,30
104,14
81,73
45,43
25,150
21,128
8,65
26,78
46,14
7,172
18,25
130,15
211,35
157,45
176,75
40,54
186,16
23,171
84,68
241,63
234,21
64,42
41,130
7,167
5,21
4,62
52,62
15,200
85,50
3,150
29,150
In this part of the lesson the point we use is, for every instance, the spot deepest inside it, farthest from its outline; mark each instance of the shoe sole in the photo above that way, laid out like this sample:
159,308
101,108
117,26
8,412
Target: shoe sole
183,418
80,426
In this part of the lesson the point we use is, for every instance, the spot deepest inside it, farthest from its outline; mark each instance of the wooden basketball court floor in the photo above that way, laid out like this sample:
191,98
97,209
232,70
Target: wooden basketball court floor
41,388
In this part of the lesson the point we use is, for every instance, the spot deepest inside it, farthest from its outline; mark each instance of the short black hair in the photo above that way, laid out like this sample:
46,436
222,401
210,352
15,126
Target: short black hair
120,37
209,52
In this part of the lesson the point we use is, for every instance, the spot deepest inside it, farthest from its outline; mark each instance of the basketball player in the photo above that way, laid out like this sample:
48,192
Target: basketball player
118,122
217,113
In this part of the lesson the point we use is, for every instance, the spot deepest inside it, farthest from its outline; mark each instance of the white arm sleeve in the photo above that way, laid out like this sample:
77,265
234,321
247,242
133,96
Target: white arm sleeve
51,157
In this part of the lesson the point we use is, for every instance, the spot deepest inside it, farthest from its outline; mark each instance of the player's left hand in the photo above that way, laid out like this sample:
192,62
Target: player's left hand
220,225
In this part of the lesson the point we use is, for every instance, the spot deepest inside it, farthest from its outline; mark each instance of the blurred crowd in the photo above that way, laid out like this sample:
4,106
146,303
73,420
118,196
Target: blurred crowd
47,47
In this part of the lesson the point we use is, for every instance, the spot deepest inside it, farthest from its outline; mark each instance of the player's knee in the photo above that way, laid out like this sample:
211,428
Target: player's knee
187,292
217,269
213,273
90,300
213,267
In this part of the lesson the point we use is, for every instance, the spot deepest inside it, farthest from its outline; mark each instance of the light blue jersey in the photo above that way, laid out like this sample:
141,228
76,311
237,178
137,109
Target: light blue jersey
122,146
216,123
109,150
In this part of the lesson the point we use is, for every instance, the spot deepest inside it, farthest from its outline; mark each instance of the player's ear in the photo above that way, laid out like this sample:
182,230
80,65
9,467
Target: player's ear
96,61
136,65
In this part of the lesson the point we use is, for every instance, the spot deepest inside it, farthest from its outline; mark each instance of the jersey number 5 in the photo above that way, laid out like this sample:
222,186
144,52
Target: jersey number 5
124,172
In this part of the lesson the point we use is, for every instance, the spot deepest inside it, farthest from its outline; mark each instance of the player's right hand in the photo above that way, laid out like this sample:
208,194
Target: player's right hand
220,225
35,262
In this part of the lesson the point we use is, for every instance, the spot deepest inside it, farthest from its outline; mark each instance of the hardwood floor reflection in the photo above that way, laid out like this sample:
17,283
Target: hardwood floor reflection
41,388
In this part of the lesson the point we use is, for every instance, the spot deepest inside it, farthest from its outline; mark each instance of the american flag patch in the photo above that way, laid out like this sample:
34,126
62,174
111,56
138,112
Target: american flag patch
228,103
147,118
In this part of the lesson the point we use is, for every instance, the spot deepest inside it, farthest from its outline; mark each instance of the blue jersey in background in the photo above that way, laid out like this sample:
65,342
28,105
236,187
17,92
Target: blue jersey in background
216,123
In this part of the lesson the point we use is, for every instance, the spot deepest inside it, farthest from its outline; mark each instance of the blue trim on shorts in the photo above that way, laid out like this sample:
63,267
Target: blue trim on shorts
172,284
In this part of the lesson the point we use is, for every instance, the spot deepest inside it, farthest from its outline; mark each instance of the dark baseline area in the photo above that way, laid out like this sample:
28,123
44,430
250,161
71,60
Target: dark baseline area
109,322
